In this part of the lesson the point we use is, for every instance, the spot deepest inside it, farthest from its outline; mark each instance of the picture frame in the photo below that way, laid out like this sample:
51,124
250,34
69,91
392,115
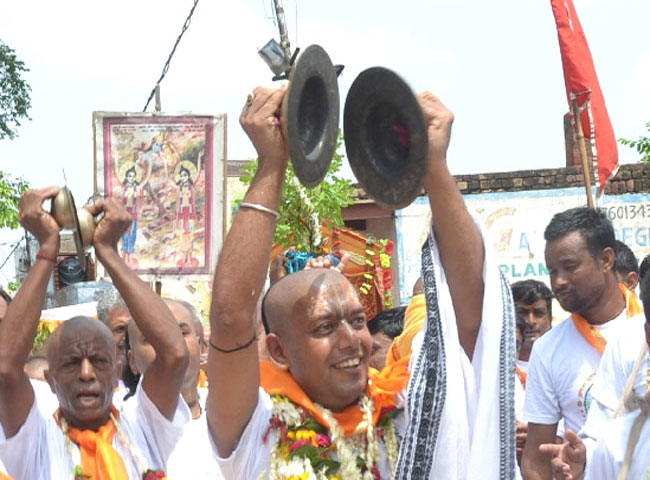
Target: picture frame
169,173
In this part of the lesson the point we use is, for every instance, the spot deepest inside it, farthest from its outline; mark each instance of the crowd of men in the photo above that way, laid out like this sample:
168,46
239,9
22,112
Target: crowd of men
469,380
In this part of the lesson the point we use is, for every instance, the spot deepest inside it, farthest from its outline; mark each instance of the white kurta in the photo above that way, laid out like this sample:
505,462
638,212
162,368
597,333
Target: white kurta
193,458
616,367
38,450
607,460
473,400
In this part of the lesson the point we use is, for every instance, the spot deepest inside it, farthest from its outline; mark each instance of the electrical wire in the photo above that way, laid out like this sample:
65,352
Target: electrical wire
188,20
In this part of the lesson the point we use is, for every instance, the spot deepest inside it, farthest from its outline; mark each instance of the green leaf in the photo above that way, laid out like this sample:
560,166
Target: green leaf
295,225
641,145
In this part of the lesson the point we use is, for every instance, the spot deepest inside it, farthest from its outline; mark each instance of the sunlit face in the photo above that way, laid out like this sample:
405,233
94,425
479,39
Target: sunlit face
142,353
577,279
328,344
83,374
537,317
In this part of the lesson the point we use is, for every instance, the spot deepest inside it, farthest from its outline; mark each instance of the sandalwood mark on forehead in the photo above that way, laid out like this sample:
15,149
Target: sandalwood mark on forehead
333,300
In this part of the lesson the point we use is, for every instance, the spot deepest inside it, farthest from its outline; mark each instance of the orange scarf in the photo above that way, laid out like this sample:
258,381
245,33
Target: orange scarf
414,319
203,379
99,460
522,375
382,388
592,334
5,477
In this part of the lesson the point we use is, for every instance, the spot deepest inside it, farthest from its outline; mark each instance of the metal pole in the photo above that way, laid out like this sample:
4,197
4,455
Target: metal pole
282,26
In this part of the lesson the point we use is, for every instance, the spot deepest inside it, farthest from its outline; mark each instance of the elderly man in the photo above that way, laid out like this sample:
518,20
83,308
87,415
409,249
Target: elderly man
87,436
113,312
316,390
192,457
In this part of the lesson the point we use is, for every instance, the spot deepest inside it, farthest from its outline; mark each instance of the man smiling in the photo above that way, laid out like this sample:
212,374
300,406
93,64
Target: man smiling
320,412
88,437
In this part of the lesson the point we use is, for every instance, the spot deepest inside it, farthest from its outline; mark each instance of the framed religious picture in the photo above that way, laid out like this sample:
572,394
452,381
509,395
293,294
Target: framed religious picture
168,171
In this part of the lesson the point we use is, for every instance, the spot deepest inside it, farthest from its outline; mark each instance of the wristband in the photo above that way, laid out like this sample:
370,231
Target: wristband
40,256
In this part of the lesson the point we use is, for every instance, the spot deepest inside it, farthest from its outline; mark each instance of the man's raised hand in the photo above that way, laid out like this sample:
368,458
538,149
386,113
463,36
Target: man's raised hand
111,227
40,223
260,120
439,120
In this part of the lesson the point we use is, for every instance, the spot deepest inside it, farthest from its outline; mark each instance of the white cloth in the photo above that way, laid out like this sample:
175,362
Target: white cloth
607,459
560,374
252,455
38,450
45,399
520,397
522,365
478,394
616,366
192,458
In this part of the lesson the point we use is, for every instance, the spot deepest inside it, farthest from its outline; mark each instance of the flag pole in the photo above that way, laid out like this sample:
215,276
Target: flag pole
583,151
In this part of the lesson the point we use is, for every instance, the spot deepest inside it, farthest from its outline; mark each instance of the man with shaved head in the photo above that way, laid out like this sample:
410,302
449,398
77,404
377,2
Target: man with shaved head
192,457
87,437
320,411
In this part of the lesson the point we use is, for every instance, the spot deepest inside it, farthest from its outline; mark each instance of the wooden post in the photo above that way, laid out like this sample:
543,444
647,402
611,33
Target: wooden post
158,285
586,168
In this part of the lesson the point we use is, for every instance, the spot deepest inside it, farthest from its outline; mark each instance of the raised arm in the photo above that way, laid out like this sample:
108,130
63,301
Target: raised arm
239,279
20,323
458,238
163,379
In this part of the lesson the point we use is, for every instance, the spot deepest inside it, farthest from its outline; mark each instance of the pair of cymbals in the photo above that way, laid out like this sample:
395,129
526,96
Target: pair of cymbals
79,221
384,128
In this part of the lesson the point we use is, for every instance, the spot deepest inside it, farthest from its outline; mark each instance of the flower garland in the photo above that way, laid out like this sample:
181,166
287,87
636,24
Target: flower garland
75,454
385,255
304,448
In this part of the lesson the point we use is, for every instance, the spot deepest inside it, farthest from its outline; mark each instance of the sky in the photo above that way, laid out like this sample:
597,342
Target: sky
495,64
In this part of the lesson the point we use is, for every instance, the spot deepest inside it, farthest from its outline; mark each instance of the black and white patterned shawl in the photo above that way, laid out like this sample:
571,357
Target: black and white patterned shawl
428,390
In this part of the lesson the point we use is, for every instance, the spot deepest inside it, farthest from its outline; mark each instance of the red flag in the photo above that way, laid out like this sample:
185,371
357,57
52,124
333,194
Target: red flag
582,83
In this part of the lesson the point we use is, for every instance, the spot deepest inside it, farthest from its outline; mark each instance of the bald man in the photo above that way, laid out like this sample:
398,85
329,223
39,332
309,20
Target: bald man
320,410
192,457
83,370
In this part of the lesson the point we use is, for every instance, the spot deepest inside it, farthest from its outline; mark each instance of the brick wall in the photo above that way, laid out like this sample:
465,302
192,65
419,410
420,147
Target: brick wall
631,178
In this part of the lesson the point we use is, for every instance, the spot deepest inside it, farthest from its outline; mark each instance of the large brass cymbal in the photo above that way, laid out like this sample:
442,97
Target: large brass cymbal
79,221
385,137
310,115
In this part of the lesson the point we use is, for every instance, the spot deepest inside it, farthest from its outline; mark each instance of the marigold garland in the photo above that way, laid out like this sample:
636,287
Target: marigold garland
304,448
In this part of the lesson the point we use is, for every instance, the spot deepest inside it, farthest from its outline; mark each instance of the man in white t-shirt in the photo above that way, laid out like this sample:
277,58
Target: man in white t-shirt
87,435
580,257
318,340
620,399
